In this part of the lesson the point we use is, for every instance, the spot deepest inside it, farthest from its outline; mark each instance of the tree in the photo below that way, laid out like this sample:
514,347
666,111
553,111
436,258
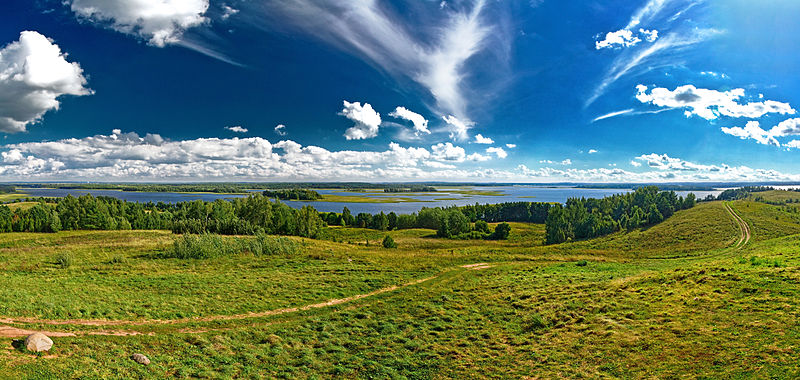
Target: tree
501,232
392,221
347,218
388,242
482,226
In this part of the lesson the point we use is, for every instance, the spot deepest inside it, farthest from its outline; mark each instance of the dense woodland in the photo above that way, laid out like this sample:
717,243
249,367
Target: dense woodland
258,214
293,194
584,218
409,189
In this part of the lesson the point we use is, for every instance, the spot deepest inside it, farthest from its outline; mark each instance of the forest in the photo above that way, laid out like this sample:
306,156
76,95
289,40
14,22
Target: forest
292,194
584,218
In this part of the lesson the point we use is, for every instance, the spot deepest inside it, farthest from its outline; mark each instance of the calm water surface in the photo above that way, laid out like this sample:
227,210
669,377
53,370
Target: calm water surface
510,194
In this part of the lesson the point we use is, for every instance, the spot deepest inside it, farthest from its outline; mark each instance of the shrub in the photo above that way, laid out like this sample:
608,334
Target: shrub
64,259
502,231
205,246
482,226
388,242
581,263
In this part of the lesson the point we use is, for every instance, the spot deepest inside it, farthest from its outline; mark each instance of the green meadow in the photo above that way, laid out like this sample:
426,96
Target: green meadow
674,300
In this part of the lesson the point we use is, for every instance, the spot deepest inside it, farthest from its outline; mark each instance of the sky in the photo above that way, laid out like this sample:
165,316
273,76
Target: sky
418,90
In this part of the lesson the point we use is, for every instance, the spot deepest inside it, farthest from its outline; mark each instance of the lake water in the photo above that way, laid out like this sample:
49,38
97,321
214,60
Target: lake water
510,194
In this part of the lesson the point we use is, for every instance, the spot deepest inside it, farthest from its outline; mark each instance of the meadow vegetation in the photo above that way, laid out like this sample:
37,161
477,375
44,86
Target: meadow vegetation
675,299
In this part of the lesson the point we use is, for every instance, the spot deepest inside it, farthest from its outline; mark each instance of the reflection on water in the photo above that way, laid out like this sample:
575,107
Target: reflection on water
456,197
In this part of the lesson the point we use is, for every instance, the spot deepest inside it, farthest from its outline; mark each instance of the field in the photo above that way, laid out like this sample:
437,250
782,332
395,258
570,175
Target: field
674,300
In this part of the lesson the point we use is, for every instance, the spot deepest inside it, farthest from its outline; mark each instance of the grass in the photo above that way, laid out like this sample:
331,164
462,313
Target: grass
669,301
13,196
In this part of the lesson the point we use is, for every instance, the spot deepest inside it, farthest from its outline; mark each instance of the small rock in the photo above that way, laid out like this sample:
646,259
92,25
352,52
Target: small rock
38,342
141,359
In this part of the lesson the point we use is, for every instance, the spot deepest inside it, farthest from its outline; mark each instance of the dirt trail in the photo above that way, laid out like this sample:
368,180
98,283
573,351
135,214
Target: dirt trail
743,227
12,332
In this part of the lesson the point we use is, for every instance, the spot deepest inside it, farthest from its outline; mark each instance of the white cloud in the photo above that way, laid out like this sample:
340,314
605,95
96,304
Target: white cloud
478,157
710,104
635,164
630,61
752,130
511,146
128,156
419,122
160,22
612,114
237,129
499,152
435,57
566,162
592,151
228,11
479,139
458,129
620,38
34,73
366,120
280,130
649,35
625,37
448,152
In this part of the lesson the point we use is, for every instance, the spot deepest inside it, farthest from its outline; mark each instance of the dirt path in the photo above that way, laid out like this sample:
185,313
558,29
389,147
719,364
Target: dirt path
743,227
12,332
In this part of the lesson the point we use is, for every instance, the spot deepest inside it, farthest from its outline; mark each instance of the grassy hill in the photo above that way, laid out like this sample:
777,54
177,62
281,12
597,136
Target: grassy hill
673,300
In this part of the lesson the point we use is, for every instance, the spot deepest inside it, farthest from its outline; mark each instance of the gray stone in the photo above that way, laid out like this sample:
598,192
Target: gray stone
38,342
141,359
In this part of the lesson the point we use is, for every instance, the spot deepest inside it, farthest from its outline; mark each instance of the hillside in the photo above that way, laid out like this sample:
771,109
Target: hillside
673,300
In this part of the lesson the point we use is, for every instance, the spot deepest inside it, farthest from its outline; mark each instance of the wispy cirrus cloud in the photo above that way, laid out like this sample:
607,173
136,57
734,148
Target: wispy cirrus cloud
435,57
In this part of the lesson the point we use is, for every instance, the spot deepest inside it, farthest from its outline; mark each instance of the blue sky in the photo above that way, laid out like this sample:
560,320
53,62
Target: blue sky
489,91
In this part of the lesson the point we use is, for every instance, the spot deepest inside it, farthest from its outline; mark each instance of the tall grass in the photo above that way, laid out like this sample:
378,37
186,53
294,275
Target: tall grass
206,246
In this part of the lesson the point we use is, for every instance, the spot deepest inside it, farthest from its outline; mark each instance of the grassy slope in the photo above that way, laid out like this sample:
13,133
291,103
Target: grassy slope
534,313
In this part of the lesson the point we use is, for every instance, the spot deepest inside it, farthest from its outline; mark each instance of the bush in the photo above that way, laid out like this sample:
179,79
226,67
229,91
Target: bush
64,259
205,246
501,232
388,242
472,235
581,263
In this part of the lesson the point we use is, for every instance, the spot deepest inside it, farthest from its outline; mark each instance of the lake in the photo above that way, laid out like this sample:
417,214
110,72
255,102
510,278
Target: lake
454,196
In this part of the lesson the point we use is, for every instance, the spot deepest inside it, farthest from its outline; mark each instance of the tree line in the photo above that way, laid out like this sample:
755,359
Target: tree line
293,194
582,218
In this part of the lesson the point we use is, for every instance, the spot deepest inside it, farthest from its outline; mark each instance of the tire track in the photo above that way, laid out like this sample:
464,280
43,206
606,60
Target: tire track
13,332
744,228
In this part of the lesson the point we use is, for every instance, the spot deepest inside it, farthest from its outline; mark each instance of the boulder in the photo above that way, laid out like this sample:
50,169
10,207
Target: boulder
141,359
38,342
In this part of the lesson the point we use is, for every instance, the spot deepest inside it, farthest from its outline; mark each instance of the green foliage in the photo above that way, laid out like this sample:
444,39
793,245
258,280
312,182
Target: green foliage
587,218
388,242
501,232
293,194
206,246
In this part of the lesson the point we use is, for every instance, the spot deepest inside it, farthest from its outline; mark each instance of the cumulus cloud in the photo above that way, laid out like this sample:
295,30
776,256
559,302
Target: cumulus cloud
752,130
237,129
280,130
160,22
625,37
636,164
366,119
511,146
499,152
479,139
458,129
620,38
34,73
419,122
129,156
448,152
710,104
592,151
